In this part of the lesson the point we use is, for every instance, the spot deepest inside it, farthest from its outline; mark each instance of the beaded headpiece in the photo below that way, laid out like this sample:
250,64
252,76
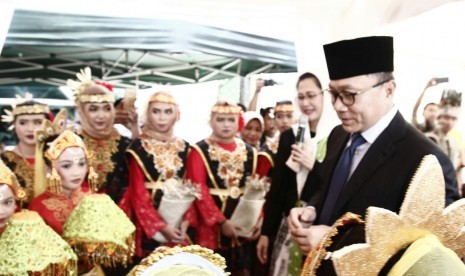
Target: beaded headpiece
226,108
24,106
8,178
284,106
85,81
65,140
162,97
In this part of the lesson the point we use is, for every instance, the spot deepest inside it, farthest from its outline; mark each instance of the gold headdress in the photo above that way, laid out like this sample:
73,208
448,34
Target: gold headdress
422,214
162,97
284,106
47,130
66,140
63,141
84,82
8,178
23,106
226,108
30,247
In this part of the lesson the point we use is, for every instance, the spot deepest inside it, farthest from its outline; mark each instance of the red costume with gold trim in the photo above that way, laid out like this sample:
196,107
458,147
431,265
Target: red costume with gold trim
221,170
56,208
150,162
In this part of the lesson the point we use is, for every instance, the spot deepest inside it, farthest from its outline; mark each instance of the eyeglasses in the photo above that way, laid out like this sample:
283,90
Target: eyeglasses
348,98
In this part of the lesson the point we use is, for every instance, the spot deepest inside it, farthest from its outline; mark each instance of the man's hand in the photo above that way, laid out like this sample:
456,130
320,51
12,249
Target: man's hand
431,82
262,249
308,238
301,217
259,83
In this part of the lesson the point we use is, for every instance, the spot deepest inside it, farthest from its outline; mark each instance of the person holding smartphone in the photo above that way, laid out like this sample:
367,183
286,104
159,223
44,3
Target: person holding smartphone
430,110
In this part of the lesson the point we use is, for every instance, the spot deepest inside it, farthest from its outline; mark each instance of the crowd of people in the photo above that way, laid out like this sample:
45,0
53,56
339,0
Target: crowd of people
260,191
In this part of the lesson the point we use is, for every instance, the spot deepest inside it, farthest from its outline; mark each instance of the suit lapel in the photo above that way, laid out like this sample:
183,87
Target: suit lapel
378,153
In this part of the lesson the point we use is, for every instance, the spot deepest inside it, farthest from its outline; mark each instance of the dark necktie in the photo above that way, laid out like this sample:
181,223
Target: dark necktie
339,179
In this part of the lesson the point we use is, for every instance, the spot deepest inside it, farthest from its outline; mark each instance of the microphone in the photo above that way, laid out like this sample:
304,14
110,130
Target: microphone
303,124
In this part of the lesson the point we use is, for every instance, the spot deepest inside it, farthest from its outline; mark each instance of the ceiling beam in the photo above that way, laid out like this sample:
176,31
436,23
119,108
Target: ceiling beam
224,67
138,61
118,60
174,77
260,70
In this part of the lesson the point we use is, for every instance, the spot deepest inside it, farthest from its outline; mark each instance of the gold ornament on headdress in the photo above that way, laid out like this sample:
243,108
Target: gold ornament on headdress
283,107
226,108
8,178
422,213
65,140
19,109
85,81
162,97
48,129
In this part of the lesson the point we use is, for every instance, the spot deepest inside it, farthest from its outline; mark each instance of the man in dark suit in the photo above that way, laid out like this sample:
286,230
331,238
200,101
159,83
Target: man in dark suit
373,155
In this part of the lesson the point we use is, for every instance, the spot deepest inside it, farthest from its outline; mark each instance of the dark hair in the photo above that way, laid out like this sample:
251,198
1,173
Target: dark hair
382,76
308,75
117,102
244,109
47,143
429,104
265,111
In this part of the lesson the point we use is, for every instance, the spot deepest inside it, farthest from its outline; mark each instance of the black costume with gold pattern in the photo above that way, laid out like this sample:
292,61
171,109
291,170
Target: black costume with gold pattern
109,163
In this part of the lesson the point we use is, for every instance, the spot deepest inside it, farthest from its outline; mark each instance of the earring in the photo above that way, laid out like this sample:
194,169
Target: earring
54,182
92,179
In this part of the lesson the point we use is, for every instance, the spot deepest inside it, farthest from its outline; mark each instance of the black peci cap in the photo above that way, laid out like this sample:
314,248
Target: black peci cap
360,56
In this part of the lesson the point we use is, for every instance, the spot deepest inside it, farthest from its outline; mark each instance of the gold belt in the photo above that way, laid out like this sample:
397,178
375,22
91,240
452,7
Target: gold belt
233,192
153,185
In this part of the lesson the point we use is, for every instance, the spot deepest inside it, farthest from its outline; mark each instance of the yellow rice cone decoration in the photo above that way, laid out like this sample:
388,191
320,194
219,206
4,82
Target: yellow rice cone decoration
30,247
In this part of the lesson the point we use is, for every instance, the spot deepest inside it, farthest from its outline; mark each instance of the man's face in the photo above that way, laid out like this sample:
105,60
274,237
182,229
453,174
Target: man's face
368,107
162,116
224,126
446,123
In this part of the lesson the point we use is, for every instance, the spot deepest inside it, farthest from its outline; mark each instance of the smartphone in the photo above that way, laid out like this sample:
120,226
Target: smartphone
441,80
129,99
